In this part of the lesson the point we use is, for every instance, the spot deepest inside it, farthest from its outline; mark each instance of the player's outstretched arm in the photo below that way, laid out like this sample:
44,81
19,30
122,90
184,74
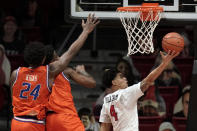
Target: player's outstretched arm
80,76
149,80
59,65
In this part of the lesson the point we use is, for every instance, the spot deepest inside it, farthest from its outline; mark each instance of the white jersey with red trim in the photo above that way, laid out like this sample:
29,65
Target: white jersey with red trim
120,109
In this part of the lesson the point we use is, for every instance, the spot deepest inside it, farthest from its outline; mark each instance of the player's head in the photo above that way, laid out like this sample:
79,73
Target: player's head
113,78
50,54
34,54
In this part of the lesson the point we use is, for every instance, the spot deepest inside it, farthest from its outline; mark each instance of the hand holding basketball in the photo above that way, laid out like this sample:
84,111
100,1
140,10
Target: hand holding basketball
173,41
169,56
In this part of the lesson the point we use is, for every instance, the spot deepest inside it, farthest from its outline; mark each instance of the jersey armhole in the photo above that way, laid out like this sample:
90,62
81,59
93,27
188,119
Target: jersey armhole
64,75
17,72
47,79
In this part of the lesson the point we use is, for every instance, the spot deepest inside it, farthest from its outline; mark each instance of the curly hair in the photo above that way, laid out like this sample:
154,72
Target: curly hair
34,53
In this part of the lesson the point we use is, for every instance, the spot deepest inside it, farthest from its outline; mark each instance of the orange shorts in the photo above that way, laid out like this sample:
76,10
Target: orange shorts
63,122
18,125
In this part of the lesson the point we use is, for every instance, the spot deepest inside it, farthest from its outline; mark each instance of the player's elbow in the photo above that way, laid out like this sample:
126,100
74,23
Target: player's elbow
145,84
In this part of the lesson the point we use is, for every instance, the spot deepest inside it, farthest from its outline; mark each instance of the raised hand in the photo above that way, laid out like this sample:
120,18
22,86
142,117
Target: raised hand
169,56
90,23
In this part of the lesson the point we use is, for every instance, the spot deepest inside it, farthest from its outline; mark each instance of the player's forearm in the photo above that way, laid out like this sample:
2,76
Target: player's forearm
60,65
149,80
72,51
86,81
74,48
156,72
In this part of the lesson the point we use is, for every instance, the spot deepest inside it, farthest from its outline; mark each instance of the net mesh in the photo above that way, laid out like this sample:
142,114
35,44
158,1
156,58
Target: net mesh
139,27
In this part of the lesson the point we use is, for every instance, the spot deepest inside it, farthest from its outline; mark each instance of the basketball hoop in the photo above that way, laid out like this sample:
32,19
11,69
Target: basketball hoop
139,23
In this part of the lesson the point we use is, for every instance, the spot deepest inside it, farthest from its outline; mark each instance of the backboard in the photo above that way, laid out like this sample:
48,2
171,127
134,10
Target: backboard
181,10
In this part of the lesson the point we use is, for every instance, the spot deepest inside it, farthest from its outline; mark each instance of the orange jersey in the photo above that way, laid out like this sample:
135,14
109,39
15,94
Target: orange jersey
20,125
30,91
63,122
61,99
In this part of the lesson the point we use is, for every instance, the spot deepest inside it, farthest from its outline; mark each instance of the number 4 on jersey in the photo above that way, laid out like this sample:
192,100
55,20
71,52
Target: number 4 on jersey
113,112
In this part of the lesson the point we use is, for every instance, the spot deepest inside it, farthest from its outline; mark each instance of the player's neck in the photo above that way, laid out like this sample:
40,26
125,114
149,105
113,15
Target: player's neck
32,67
114,88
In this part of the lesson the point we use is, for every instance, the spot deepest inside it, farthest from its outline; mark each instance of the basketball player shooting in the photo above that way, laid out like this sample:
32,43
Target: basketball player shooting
120,107
31,86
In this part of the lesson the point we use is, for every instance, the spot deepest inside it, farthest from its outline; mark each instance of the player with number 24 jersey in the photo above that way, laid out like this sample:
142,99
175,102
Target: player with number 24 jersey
28,86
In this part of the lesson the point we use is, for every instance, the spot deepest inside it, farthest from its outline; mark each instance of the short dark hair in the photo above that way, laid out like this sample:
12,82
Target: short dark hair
49,54
108,76
34,53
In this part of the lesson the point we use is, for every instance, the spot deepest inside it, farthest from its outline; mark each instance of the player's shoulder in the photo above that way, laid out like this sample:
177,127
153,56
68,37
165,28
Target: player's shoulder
134,86
13,76
14,72
112,96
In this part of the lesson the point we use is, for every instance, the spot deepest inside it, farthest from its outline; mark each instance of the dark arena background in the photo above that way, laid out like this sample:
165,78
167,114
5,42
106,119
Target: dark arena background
58,23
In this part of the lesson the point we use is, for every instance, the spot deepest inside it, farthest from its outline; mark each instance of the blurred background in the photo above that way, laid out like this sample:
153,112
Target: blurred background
57,23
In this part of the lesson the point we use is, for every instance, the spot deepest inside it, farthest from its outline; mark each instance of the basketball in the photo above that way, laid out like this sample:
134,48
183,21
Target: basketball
173,41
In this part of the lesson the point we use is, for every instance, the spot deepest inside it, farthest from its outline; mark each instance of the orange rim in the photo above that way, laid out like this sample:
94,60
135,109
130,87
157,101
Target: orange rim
145,7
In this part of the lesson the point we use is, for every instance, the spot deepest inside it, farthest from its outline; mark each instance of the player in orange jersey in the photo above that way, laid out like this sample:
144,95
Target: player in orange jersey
63,115
31,85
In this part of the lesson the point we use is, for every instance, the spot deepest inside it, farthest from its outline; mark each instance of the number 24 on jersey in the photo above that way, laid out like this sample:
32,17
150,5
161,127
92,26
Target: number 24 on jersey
34,92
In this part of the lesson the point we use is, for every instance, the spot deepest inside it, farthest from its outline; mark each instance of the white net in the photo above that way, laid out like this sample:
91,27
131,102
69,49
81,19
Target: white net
139,27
